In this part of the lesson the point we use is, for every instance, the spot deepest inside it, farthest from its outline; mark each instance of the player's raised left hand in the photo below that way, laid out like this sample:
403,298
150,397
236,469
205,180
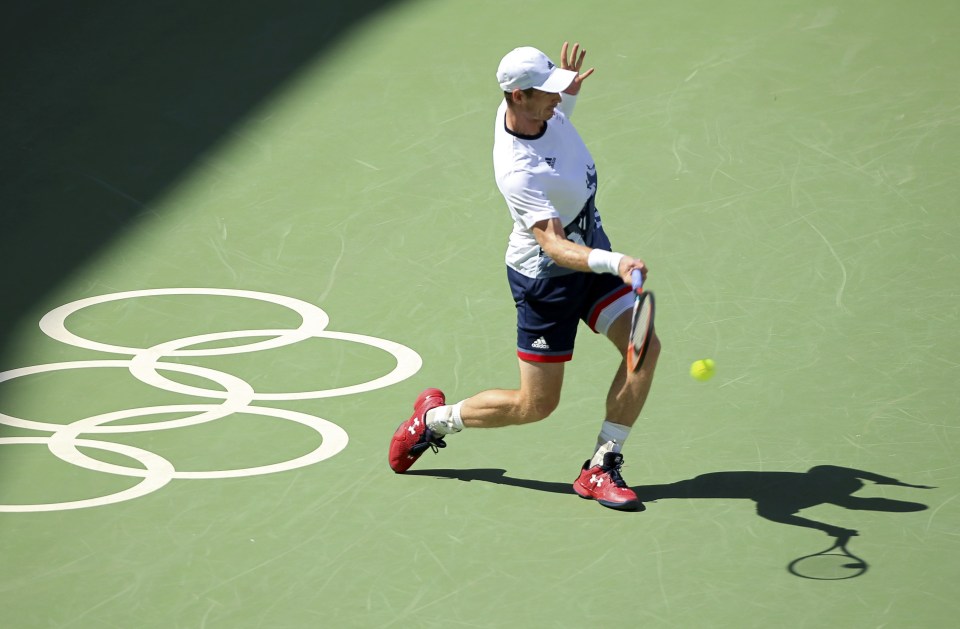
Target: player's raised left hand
574,62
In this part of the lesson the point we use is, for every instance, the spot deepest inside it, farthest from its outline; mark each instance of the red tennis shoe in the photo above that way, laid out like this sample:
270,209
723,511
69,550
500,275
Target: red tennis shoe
604,484
412,437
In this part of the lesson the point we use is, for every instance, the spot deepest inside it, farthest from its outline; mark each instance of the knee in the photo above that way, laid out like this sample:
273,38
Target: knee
537,407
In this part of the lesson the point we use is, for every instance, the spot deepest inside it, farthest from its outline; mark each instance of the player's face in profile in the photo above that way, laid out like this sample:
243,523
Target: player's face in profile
540,105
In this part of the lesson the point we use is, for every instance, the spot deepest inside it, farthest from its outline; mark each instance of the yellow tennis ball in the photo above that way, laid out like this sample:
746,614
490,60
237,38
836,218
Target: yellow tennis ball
703,370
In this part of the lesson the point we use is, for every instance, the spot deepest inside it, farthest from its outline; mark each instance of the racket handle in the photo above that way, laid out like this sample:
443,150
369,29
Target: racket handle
637,280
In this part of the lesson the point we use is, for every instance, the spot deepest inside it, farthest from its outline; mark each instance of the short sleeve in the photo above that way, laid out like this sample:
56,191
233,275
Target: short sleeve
527,201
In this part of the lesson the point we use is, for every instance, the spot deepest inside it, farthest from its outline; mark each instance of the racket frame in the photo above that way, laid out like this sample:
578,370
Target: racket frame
636,355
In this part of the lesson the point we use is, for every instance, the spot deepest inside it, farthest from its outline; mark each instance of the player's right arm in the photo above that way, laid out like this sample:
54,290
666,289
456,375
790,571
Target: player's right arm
552,239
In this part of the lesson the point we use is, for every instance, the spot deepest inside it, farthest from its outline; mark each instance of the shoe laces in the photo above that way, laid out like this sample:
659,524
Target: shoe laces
428,440
613,469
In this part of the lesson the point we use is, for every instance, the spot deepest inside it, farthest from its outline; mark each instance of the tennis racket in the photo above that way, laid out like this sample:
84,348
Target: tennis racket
641,326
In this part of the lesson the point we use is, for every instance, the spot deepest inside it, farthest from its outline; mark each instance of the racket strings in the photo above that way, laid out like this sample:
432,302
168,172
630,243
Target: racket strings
641,327
643,322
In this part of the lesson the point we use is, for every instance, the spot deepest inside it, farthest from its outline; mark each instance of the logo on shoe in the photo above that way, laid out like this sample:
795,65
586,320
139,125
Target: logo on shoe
413,427
596,480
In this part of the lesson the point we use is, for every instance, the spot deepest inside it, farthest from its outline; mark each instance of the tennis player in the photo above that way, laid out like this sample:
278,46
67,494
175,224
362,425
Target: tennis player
561,270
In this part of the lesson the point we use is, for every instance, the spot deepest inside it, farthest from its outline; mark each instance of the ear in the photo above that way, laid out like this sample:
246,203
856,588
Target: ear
517,96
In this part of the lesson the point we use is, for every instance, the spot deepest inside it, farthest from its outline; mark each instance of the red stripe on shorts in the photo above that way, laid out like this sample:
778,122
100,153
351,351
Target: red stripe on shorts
540,358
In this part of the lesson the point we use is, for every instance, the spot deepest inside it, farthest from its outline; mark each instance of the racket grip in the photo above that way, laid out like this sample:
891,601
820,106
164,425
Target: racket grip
637,279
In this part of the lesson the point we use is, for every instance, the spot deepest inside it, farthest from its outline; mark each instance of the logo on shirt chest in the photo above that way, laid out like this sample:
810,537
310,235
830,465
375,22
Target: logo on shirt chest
551,161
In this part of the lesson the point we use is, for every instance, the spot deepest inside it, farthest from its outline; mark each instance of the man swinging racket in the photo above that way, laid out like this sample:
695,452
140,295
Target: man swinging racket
561,271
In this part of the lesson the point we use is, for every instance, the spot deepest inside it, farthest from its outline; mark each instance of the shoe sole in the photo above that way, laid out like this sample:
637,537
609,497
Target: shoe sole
629,505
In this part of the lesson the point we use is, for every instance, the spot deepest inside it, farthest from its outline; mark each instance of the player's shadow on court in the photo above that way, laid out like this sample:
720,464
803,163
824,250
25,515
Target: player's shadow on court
779,496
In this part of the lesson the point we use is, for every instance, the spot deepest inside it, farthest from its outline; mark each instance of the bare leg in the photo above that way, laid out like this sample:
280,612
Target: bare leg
537,397
629,391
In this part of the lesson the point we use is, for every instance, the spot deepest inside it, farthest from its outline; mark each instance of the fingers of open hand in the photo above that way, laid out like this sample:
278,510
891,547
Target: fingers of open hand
573,60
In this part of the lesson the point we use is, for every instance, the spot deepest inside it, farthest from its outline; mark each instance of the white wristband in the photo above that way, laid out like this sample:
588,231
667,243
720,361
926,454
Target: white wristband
601,261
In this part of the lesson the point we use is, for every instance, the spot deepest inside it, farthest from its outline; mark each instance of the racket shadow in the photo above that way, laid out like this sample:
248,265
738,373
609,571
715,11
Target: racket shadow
835,563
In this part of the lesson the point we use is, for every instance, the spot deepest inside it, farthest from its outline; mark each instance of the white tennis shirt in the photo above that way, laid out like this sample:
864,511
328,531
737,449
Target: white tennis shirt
551,175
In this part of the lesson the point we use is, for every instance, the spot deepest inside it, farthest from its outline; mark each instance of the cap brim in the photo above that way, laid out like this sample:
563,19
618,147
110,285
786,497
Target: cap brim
558,81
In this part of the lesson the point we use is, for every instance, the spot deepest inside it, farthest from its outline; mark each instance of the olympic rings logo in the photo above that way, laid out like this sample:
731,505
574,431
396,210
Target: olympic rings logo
234,395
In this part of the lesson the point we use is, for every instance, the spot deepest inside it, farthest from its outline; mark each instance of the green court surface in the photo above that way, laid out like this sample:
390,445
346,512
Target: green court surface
240,238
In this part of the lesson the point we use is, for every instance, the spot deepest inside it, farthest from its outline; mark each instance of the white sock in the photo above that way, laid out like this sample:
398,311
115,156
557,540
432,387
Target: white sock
610,439
445,420
610,431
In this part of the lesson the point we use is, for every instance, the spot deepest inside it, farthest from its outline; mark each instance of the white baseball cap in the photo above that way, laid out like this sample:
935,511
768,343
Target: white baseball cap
526,67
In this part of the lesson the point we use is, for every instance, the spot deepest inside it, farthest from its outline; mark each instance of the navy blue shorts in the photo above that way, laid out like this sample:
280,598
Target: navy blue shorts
550,309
